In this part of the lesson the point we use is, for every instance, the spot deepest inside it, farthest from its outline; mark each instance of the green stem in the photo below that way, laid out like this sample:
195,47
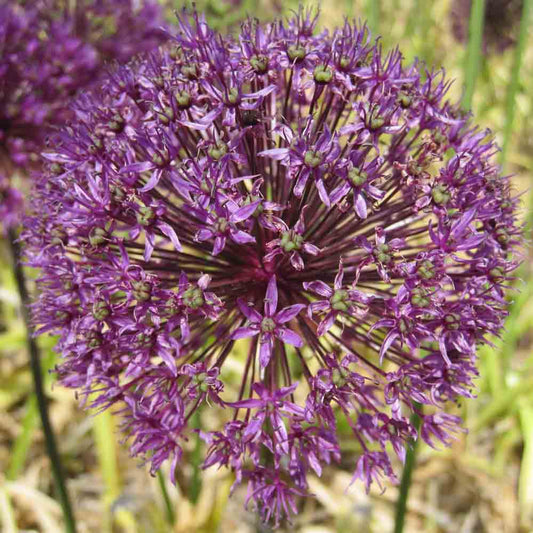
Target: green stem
372,15
512,89
35,364
171,517
473,55
410,457
196,459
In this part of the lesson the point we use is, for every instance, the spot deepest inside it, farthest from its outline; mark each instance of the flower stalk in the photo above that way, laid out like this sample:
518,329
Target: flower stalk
42,401
405,484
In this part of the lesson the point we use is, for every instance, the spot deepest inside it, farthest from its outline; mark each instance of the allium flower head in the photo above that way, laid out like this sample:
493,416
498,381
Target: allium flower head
48,53
302,205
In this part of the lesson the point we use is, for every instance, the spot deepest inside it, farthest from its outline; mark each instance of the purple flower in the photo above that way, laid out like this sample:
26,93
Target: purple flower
49,52
298,203
269,325
338,301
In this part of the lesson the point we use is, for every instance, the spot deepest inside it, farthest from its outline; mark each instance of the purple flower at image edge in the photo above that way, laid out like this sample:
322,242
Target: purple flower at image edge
47,55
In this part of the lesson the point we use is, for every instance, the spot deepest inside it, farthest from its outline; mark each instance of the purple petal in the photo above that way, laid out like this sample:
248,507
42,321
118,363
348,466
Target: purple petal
443,350
296,261
288,313
138,167
243,333
459,227
339,277
249,312
311,249
339,193
253,428
241,237
300,183
265,350
316,307
153,181
168,230
250,403
288,336
220,243
271,299
326,324
387,342
244,212
204,281
169,360
148,246
323,193
203,235
360,207
276,153
319,287
262,92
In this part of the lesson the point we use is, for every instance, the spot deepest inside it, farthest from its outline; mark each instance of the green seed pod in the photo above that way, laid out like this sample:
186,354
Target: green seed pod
322,74
296,53
259,63
440,194
312,159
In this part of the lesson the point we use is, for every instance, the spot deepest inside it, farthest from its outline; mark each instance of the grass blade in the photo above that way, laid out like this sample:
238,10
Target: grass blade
106,449
22,444
525,482
474,50
372,13
512,88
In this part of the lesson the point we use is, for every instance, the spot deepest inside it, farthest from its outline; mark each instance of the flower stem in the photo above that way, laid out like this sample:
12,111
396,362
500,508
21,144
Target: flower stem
35,364
171,517
514,83
474,50
401,504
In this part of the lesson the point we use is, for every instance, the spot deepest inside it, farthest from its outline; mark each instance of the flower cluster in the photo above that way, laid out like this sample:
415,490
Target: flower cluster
48,53
301,204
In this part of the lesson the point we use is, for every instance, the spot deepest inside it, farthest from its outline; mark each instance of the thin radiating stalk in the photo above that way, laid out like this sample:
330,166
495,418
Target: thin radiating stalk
36,370
410,458
512,88
474,51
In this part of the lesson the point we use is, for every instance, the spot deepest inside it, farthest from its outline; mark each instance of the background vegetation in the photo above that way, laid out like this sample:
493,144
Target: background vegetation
483,483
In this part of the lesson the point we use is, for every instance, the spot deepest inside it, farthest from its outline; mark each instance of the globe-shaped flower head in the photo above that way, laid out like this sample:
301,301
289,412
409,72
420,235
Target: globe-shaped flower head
302,209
